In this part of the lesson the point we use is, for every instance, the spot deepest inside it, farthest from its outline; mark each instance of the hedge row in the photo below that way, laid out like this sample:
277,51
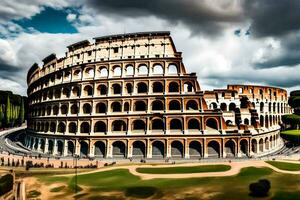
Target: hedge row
291,119
6,184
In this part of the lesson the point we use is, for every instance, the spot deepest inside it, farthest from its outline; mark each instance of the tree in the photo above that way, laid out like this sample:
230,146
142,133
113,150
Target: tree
22,111
7,116
1,115
260,188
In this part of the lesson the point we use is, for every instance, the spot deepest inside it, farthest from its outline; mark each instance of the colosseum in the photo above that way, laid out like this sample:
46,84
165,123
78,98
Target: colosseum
130,96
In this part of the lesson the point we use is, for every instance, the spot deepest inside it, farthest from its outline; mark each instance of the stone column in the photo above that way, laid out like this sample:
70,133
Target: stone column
54,147
46,145
149,149
65,153
205,153
168,149
129,149
109,149
186,149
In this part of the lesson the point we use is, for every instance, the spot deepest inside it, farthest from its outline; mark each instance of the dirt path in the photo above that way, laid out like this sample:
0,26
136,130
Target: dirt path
235,169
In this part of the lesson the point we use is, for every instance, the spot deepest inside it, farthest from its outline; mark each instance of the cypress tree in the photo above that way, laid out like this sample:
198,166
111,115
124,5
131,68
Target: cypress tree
1,115
22,111
7,116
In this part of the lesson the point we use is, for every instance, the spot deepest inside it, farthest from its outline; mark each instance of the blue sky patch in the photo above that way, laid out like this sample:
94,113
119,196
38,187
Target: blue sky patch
49,21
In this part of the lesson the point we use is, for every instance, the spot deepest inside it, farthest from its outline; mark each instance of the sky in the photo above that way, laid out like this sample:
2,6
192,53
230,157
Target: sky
223,41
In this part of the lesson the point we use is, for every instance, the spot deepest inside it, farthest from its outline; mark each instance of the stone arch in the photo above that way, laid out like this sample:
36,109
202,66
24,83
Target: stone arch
158,69
99,150
194,124
254,148
116,107
223,107
230,147
84,147
244,147
175,124
64,109
173,87
267,143
246,121
76,91
157,124
55,110
192,105
261,120
174,105
119,125
42,147
140,106
119,150
177,149
85,127
138,125
212,123
74,109
261,145
213,149
50,146
129,88
172,69
129,70
138,149
195,149
102,89
88,90
158,149
142,87
117,71
72,127
66,93
53,127
101,108
116,88
61,128
142,69
188,87
157,105
213,106
60,148
100,126
87,108
71,148
157,87
232,106
126,107
103,71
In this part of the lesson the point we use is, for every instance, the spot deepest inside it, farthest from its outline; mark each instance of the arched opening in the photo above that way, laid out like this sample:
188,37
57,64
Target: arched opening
36,144
102,90
49,110
230,148
172,69
229,123
74,109
87,108
70,148
188,87
212,123
116,107
88,90
246,121
138,149
139,125
53,127
173,87
89,72
158,69
66,93
194,124
46,126
261,121
117,70
175,124
232,106
176,149
57,94
174,105
85,127
55,110
142,87
254,146
103,72
129,70
118,149
61,127
84,149
158,149
213,106
244,147
42,147
50,146
116,88
119,125
100,126
142,69
140,106
72,127
213,149
76,91
99,149
100,108
192,105
157,124
126,106
64,109
261,145
267,144
157,105
223,107
60,148
261,107
195,149
129,88
158,87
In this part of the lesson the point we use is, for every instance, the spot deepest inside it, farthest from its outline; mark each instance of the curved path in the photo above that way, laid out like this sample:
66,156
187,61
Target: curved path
235,169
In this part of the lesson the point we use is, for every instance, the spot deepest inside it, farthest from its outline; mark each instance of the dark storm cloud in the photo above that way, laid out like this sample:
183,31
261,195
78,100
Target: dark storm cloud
200,16
8,71
273,17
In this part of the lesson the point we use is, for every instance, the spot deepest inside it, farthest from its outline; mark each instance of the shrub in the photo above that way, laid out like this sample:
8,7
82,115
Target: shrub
6,183
141,192
260,188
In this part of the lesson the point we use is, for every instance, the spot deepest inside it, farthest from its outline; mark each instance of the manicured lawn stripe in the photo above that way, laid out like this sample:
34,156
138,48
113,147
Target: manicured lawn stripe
291,132
285,165
183,170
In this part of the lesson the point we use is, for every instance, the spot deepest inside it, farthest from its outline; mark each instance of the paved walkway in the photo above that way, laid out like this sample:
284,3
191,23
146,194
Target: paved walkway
235,169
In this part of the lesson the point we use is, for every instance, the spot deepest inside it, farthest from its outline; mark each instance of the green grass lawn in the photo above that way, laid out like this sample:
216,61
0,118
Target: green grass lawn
291,132
285,165
129,186
183,170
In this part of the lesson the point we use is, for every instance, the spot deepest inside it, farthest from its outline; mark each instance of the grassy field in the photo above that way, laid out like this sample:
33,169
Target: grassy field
183,170
285,165
120,184
291,132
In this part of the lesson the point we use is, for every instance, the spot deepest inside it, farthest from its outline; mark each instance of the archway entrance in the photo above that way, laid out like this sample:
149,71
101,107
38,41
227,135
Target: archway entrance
138,149
158,149
118,149
195,149
176,149
213,149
